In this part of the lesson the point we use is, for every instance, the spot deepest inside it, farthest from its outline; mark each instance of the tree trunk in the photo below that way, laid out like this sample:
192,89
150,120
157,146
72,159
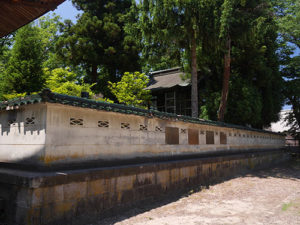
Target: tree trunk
94,77
226,77
194,93
295,109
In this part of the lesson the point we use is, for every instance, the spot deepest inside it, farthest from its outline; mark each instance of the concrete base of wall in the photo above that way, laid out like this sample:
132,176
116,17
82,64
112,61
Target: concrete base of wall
61,197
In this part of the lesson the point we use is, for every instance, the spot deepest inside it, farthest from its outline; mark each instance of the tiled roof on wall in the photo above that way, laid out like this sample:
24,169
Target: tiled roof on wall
47,96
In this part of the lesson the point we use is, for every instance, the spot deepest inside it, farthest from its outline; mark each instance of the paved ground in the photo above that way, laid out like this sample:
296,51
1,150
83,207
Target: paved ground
266,197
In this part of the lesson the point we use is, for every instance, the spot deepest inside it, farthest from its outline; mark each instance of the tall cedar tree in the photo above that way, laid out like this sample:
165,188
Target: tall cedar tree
177,23
233,38
237,21
153,55
98,43
23,71
255,97
225,34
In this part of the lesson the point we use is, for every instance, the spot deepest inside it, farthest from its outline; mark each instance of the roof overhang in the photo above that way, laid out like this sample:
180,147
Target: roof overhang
17,13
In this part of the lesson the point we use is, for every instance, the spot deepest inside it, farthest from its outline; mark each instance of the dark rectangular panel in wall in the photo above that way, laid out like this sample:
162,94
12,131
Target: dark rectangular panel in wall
210,139
223,138
172,136
193,136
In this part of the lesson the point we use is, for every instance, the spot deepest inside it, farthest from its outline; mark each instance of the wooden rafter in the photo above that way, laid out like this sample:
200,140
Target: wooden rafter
17,13
36,4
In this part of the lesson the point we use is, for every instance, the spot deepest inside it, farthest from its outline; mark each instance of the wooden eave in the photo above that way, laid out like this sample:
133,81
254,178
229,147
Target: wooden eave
17,13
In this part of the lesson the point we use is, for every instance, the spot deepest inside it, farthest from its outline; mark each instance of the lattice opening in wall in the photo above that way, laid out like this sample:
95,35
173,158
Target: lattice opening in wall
74,122
125,126
158,129
143,127
183,131
104,124
11,122
201,132
30,121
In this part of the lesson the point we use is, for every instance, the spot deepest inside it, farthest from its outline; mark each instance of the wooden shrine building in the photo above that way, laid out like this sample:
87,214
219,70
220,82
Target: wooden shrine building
171,91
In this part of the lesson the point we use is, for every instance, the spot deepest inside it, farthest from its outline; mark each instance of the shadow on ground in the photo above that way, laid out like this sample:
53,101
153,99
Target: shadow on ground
288,170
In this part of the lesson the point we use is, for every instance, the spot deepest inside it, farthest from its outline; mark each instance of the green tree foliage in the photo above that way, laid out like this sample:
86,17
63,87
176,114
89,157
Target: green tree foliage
288,13
63,81
49,31
5,46
292,93
23,71
25,58
111,35
255,88
178,27
225,25
291,72
208,26
5,43
154,55
131,89
98,43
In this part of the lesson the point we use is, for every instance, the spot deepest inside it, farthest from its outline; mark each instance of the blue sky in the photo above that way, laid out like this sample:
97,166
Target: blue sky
67,11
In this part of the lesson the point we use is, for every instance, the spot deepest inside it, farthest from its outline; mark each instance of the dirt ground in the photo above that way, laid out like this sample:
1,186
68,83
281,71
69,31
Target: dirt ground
266,197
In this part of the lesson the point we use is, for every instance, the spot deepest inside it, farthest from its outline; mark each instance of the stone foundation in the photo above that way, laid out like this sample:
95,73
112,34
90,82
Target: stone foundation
63,197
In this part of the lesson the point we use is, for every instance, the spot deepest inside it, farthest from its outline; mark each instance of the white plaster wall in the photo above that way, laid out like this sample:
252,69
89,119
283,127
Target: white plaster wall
52,139
67,142
22,133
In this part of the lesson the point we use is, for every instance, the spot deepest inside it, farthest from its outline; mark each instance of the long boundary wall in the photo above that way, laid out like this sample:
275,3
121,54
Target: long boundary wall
61,156
52,135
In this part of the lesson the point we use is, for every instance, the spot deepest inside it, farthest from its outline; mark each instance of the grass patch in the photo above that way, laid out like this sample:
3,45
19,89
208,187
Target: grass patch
286,206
